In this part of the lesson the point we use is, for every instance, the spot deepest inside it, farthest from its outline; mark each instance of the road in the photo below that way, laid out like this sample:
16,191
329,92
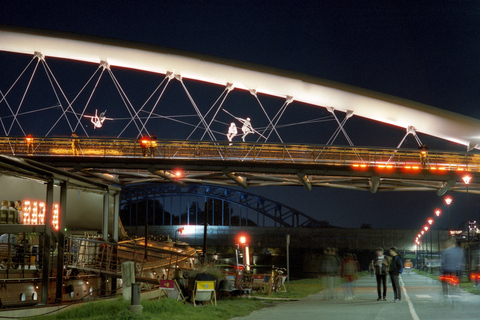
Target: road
422,299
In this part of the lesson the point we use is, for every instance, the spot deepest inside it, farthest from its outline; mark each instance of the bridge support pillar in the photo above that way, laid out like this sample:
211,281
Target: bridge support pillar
61,241
106,204
47,238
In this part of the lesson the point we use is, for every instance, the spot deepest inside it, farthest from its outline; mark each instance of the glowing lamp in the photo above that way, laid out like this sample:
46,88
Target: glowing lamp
438,212
448,200
466,179
430,221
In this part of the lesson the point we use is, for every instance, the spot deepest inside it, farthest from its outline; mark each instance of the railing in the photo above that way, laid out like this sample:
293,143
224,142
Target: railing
357,157
97,256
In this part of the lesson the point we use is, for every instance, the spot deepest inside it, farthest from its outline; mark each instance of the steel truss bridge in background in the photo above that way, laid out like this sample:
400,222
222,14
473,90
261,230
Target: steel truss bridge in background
247,208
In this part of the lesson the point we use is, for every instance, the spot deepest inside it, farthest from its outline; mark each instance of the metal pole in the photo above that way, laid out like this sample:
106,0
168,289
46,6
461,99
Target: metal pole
431,251
468,237
448,212
205,235
288,263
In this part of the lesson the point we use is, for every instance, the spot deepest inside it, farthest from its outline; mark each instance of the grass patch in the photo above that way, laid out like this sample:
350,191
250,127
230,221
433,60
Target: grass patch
465,284
173,310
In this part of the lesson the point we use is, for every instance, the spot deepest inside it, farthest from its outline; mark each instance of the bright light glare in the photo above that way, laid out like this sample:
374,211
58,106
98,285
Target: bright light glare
466,179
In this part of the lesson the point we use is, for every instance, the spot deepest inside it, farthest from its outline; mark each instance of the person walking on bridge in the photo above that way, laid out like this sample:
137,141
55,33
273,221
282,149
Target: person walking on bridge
395,268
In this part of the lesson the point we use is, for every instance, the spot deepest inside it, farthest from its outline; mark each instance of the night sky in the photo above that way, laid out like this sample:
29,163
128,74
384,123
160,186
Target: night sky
425,51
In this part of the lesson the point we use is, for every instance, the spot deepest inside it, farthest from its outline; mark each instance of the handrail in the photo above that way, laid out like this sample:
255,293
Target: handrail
247,152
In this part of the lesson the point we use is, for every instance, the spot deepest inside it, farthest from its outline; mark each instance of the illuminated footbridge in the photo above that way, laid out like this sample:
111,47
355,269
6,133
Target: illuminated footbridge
85,118
125,162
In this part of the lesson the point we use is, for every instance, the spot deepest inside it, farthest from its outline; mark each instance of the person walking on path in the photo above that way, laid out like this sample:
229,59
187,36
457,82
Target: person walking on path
453,262
349,269
395,268
380,264
371,268
329,271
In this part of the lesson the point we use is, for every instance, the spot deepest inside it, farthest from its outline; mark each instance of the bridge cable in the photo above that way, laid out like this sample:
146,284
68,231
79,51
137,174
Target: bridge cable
70,104
4,96
22,100
88,102
50,75
126,101
156,102
227,91
202,119
151,112
254,93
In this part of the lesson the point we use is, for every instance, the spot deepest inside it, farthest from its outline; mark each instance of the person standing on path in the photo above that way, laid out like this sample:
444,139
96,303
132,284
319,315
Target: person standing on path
380,264
395,268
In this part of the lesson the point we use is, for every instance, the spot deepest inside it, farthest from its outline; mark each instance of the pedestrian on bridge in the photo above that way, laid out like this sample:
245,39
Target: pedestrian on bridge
75,144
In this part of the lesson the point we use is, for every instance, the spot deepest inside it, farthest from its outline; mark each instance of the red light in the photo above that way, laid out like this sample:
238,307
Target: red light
242,238
452,280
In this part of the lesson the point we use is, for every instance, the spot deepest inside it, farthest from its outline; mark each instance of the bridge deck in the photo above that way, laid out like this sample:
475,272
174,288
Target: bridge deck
247,164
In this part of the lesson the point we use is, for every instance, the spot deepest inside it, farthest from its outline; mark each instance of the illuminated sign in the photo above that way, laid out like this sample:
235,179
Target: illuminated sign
34,213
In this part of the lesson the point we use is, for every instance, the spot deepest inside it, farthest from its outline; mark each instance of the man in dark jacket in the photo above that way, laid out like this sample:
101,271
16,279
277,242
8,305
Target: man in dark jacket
381,265
395,267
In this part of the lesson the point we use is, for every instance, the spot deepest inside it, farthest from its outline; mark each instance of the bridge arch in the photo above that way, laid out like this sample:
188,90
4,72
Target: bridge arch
254,79
230,207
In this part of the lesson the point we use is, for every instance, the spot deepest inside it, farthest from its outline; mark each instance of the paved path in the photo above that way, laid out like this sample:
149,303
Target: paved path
422,299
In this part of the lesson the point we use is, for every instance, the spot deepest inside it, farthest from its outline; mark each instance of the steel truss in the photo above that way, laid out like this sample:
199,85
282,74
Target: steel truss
252,210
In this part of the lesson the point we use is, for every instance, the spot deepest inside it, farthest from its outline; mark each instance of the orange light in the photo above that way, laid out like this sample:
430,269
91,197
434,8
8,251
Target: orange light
438,212
452,280
415,167
433,168
425,228
430,221
178,173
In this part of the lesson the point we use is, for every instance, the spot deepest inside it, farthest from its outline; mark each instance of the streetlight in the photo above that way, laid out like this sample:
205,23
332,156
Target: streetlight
430,222
177,232
448,200
438,212
466,179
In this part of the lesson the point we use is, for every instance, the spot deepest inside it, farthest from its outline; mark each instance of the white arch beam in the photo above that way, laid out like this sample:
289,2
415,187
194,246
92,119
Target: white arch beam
364,103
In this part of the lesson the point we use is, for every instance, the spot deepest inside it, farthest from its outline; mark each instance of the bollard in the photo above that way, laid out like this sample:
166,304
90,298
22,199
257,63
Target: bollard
128,277
135,307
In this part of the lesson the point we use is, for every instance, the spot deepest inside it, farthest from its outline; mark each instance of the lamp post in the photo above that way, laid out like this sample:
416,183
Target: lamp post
466,179
177,232
438,212
448,201
430,222
426,243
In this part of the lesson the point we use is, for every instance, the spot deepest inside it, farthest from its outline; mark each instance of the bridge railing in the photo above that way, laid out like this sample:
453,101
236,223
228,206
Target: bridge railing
359,157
